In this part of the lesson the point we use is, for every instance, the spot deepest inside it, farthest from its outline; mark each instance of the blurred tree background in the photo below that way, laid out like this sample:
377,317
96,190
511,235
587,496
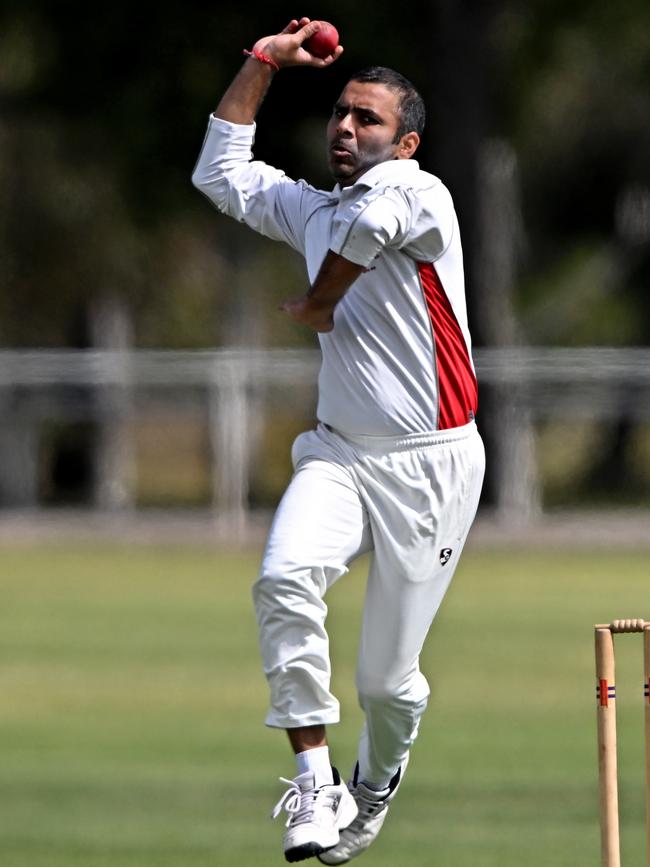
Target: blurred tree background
539,122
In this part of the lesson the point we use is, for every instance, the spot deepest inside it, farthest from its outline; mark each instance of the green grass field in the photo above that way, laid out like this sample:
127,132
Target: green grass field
131,709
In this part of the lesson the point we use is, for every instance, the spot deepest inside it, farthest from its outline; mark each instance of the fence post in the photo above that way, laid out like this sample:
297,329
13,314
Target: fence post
114,453
229,421
18,453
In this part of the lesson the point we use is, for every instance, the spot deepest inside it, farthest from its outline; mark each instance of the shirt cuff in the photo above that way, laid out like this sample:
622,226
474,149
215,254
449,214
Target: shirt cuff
355,254
369,226
227,143
233,128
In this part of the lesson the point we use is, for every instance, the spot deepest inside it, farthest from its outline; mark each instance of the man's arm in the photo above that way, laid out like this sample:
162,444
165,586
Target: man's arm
240,105
350,254
421,220
242,100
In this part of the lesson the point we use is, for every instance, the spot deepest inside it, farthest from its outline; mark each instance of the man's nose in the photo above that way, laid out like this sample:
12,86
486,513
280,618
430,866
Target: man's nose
344,125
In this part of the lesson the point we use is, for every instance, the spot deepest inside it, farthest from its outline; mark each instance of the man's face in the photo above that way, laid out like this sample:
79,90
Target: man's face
361,132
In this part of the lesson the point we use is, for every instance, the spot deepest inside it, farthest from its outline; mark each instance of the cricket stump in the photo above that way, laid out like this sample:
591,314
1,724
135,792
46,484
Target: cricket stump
610,846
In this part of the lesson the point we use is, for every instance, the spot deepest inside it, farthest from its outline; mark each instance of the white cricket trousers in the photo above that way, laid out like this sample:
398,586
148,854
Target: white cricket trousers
410,501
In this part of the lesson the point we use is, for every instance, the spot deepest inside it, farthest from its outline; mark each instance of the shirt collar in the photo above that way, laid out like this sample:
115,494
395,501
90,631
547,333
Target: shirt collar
386,172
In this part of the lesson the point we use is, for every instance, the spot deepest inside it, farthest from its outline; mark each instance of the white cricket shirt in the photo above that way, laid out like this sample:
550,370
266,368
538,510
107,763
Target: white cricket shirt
398,360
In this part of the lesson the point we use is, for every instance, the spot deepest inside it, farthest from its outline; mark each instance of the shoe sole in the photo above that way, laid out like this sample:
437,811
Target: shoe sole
329,865
301,853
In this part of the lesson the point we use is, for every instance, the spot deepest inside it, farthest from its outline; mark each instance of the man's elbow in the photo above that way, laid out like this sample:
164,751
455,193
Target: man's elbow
202,179
197,178
212,185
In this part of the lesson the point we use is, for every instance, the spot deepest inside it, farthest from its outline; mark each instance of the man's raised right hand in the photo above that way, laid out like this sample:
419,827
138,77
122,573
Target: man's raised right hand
286,49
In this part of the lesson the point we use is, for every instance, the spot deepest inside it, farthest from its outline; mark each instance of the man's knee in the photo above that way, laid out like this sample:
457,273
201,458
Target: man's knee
288,578
288,586
391,687
378,686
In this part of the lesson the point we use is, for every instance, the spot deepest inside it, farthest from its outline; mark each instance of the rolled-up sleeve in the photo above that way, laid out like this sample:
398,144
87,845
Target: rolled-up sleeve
249,190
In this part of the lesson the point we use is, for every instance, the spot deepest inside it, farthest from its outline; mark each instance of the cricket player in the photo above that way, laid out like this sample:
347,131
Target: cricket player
395,465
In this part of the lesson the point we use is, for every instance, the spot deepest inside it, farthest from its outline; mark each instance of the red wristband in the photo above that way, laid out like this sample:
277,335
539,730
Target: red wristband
263,58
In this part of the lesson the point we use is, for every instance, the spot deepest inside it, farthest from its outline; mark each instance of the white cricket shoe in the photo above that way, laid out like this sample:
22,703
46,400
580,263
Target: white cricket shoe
315,815
372,809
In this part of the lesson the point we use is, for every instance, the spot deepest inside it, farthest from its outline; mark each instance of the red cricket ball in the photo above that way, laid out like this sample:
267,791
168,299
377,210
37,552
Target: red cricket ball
324,41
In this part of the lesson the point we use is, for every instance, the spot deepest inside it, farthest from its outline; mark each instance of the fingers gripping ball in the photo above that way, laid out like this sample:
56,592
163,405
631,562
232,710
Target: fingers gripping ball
324,41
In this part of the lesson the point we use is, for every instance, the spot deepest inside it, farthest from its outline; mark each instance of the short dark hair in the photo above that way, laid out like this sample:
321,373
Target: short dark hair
411,104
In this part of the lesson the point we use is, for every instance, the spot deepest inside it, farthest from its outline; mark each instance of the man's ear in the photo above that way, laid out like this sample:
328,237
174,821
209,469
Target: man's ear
407,146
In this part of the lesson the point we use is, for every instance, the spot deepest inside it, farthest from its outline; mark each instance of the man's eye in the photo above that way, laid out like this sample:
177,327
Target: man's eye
368,118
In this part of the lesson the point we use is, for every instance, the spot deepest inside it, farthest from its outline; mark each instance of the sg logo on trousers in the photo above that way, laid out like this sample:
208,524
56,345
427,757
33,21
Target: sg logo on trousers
445,554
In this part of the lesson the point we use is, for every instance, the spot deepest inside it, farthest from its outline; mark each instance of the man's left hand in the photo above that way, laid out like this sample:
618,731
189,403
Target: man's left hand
307,311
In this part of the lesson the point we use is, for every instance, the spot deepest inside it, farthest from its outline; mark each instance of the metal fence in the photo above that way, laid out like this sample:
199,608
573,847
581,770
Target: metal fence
525,384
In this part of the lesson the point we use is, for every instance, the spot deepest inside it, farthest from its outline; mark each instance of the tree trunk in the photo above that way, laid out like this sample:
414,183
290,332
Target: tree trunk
513,454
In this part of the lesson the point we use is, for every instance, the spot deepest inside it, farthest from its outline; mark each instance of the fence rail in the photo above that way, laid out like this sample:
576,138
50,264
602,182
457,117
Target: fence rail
496,366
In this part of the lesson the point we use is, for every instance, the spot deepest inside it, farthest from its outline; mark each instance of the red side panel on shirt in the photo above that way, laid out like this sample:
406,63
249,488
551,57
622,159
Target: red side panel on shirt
457,386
